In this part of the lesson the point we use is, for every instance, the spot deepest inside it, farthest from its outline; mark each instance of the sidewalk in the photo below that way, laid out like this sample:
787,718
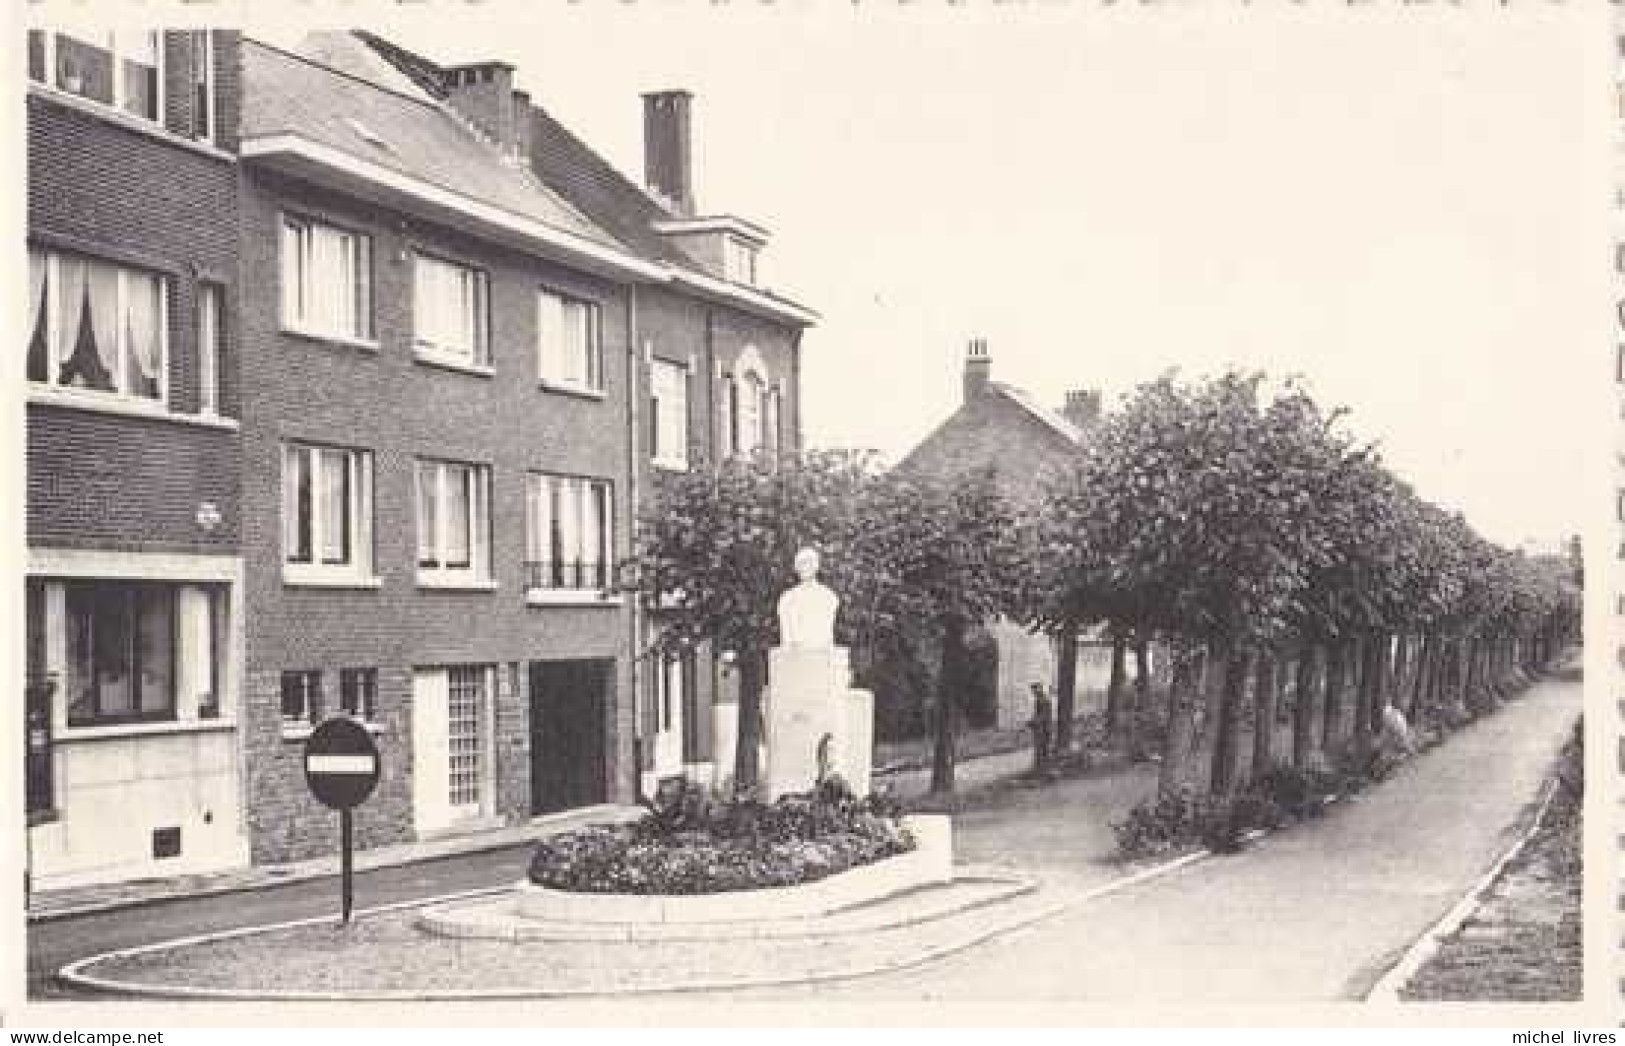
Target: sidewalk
46,905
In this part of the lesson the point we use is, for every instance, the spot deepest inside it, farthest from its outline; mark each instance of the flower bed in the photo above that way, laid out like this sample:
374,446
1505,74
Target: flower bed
693,843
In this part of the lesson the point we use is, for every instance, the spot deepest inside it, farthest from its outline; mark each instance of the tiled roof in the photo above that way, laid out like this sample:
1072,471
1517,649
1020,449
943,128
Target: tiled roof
285,94
1021,398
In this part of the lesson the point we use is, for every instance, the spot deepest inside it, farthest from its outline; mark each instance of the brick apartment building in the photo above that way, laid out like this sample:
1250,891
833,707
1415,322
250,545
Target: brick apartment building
133,572
451,405
717,361
349,376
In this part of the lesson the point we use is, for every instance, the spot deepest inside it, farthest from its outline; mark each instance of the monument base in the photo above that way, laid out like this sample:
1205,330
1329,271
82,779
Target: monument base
816,723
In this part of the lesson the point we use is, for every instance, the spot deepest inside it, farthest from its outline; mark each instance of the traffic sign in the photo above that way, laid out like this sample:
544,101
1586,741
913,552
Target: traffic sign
341,768
341,763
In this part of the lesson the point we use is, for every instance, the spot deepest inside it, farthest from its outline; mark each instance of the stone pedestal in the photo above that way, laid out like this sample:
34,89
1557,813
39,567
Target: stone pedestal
810,699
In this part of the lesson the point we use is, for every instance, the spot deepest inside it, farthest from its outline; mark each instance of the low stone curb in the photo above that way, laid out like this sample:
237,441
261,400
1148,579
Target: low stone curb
866,918
1386,991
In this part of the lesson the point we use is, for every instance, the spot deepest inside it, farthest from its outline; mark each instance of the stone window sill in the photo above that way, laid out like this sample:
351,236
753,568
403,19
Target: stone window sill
564,388
441,361
108,403
170,726
570,597
139,124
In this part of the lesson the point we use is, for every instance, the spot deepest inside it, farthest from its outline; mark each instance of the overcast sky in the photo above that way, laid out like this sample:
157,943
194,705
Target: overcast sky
1396,208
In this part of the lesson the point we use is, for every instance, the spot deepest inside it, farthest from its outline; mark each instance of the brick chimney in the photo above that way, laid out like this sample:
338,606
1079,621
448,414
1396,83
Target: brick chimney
1082,407
521,125
668,168
978,368
483,93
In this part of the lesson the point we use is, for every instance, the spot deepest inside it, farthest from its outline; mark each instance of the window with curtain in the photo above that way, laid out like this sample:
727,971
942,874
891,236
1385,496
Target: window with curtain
301,697
202,83
210,346
124,70
569,532
326,513
450,318
569,348
121,656
326,275
454,522
668,414
97,326
750,413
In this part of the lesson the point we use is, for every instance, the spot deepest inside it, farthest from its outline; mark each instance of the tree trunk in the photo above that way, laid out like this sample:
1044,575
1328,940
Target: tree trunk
1419,678
752,676
950,681
1176,739
1222,775
1303,707
1114,686
1382,653
1142,693
1365,694
1066,687
1332,692
1266,694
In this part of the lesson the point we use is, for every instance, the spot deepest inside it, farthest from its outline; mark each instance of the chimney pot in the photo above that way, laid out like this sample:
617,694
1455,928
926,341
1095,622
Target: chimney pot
1082,407
667,149
483,93
978,369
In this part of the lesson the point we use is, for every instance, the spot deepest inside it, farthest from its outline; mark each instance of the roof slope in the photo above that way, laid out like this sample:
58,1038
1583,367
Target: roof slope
287,94
1025,401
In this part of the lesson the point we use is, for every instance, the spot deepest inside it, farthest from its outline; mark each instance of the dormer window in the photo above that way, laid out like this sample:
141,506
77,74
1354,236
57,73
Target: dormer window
739,261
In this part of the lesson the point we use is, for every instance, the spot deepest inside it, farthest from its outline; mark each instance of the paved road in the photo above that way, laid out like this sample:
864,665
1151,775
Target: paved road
1314,914
54,944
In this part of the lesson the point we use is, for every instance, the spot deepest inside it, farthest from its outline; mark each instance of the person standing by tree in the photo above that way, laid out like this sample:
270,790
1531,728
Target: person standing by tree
1043,727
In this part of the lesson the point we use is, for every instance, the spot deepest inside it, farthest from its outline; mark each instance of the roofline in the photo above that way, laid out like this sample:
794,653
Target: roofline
330,159
769,305
741,227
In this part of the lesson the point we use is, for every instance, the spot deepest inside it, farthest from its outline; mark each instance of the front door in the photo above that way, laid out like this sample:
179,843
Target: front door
452,773
568,709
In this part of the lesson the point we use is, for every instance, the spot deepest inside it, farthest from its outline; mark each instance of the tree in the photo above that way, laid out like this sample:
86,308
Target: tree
938,553
716,549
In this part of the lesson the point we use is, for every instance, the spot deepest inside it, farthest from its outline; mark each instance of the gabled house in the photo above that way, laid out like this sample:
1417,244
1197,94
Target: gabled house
1001,427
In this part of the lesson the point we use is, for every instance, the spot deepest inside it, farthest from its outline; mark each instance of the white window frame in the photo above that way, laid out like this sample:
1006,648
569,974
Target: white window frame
551,366
477,574
739,261
56,352
475,356
363,713
295,290
668,377
160,50
211,311
358,573
576,496
314,681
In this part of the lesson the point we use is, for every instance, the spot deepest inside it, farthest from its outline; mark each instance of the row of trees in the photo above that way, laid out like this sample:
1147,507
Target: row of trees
1233,526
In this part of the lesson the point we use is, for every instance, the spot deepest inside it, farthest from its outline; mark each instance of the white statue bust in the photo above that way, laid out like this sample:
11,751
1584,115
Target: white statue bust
807,610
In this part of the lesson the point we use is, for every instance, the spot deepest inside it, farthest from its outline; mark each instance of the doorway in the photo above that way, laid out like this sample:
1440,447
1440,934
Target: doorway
568,733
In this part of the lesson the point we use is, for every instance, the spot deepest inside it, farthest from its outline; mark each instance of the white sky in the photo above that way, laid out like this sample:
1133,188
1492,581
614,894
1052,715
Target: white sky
1401,205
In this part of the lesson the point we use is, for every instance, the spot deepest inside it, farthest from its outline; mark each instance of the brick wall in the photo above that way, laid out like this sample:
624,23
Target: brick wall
141,198
385,402
685,329
990,430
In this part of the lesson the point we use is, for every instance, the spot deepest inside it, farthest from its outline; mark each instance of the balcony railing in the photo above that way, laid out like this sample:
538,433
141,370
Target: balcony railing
567,575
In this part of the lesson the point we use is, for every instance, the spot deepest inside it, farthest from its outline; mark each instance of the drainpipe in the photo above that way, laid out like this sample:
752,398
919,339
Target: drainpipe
795,387
634,354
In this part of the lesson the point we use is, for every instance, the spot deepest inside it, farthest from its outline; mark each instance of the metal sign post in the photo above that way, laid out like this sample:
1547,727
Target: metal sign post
341,768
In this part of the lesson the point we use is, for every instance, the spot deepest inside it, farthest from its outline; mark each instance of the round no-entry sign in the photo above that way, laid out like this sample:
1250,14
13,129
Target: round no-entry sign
341,763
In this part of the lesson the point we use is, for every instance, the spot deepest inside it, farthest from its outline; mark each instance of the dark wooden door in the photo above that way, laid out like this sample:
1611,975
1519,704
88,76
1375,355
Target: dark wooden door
568,703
